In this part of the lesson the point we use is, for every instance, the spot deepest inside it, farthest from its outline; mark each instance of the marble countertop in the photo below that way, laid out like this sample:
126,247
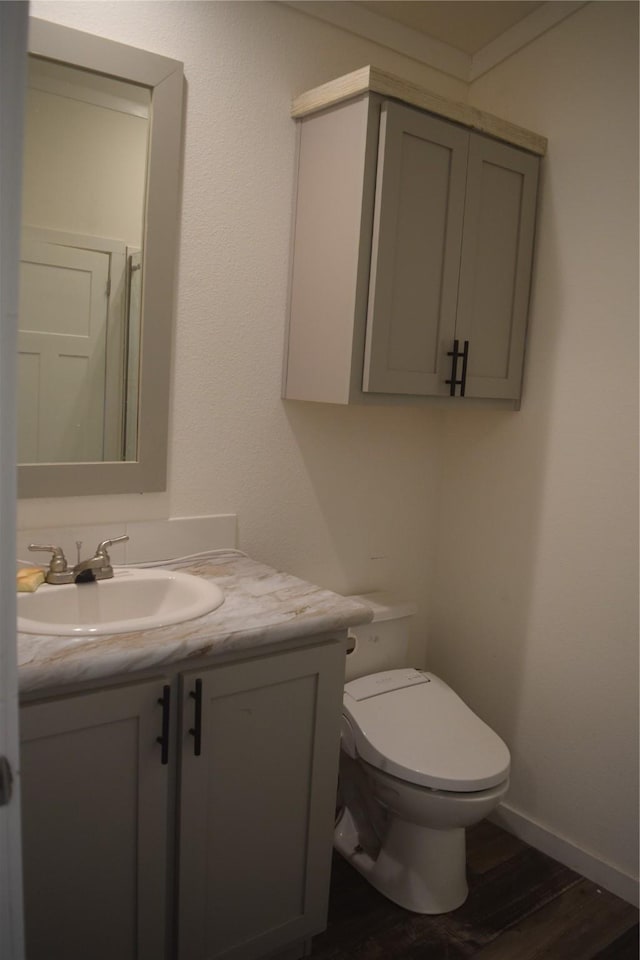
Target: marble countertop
262,607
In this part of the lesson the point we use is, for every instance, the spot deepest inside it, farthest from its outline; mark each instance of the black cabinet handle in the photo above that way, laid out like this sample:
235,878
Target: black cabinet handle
163,739
465,357
454,368
456,354
196,729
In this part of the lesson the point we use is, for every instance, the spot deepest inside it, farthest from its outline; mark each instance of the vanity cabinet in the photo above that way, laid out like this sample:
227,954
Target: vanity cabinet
94,825
222,851
412,256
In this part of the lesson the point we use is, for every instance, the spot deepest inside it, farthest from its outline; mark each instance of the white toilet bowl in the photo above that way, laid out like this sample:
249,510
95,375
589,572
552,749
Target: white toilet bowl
417,768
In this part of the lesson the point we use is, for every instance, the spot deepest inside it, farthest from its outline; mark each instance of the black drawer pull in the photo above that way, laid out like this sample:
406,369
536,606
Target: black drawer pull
196,729
163,739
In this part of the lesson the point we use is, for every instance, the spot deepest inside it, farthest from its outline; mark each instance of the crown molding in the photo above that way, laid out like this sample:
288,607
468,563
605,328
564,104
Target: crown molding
521,34
350,16
358,20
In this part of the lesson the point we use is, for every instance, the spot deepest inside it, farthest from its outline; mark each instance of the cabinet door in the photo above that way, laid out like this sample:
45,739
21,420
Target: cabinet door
94,803
257,804
417,239
496,266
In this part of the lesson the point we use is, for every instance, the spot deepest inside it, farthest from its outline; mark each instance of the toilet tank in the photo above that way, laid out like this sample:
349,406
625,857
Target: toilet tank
382,644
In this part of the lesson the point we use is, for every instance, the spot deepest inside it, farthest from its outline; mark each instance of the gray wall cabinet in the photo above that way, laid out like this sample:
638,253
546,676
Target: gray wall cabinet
411,233
223,852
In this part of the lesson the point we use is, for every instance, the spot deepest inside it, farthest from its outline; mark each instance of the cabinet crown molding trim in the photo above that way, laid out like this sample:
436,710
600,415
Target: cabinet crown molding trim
370,79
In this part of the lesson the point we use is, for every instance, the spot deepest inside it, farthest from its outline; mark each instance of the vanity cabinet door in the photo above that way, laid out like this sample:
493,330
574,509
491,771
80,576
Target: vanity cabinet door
260,743
94,823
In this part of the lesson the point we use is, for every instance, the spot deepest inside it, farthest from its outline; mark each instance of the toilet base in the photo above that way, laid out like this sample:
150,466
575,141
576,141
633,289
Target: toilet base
420,869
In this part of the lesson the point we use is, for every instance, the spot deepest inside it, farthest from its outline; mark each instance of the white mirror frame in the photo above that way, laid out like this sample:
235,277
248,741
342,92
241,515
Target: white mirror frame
164,77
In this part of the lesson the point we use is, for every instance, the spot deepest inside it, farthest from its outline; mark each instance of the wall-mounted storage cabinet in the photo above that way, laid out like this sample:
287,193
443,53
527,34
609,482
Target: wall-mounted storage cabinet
412,256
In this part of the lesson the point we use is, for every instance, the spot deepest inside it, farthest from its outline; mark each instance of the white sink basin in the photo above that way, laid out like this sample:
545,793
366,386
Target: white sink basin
135,599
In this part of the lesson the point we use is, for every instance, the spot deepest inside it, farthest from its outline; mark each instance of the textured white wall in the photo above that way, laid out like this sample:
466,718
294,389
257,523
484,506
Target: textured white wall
342,497
536,592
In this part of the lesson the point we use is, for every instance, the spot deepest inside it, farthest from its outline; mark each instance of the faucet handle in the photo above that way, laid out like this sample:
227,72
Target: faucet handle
58,562
101,549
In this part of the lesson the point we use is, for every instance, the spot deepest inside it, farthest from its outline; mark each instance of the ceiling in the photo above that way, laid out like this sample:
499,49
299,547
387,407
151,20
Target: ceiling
466,25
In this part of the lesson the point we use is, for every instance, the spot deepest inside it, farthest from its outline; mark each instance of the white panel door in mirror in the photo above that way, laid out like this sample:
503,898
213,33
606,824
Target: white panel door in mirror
62,353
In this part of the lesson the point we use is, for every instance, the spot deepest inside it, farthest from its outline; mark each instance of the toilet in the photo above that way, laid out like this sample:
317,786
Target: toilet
417,767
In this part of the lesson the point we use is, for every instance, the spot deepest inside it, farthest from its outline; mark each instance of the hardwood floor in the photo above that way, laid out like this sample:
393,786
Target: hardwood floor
522,905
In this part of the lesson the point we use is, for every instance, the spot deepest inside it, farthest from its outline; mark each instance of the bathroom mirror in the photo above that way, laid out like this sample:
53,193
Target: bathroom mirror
97,278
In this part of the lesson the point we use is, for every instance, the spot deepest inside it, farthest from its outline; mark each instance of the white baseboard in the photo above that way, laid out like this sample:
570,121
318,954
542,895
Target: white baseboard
584,863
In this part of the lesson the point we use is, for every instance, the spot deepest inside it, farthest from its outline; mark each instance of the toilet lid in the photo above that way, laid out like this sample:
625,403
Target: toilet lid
412,725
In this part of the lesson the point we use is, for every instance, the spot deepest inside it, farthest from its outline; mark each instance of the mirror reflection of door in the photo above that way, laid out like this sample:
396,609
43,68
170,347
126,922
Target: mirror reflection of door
84,182
62,340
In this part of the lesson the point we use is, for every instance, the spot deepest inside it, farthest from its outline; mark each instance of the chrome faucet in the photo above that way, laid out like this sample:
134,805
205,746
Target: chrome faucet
97,567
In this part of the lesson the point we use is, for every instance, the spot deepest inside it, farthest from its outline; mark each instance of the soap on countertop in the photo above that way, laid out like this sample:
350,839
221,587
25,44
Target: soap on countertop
29,579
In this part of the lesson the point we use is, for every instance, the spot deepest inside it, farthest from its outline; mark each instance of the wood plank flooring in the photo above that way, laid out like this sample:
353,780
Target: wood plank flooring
522,905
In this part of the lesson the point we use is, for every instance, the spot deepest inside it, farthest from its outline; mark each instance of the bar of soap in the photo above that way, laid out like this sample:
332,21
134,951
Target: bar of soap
29,579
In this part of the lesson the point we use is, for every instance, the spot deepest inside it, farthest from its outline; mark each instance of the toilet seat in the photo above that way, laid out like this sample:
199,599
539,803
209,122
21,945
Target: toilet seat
412,725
